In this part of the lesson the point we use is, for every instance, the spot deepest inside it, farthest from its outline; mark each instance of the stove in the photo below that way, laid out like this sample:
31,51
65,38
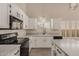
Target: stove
8,38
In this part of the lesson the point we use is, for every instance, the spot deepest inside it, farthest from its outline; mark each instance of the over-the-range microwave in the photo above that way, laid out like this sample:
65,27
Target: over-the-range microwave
15,23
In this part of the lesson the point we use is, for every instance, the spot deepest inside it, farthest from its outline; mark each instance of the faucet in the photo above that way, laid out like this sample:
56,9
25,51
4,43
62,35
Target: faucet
44,31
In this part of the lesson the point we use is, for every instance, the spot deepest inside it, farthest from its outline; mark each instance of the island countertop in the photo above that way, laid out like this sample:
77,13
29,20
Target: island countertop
68,45
8,50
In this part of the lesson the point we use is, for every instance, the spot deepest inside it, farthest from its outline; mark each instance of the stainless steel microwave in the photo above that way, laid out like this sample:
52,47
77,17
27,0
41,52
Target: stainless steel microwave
15,23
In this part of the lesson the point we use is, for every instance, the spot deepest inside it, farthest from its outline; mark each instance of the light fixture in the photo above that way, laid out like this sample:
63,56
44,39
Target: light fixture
73,6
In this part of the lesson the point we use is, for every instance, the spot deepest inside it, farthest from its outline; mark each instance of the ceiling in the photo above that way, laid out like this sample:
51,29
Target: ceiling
52,10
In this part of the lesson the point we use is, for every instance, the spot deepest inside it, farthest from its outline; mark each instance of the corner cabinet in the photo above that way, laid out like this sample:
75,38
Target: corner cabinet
4,16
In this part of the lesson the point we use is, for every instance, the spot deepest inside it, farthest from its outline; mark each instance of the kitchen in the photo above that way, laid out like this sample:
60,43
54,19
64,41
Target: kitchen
39,29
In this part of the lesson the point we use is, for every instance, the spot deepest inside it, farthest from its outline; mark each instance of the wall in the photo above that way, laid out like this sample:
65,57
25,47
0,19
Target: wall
22,6
52,10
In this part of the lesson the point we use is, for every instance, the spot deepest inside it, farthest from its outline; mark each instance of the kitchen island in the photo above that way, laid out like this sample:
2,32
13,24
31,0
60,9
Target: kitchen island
69,46
10,50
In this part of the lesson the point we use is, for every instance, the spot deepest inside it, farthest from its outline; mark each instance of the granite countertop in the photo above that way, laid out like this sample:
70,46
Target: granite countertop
69,45
8,50
21,39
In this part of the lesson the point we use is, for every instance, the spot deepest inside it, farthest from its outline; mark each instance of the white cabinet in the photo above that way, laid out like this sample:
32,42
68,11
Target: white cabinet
56,24
52,23
4,15
21,14
62,24
40,42
69,24
77,24
31,23
25,21
16,11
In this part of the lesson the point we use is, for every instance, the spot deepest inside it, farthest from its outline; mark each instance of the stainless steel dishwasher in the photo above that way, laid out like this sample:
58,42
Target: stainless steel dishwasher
24,49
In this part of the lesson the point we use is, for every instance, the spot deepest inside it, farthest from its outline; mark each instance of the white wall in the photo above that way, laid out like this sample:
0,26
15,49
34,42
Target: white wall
22,6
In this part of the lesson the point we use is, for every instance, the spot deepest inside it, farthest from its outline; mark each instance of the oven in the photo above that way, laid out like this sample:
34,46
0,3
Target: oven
8,38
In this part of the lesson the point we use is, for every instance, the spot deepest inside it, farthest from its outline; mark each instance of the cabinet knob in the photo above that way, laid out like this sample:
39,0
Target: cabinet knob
10,11
10,6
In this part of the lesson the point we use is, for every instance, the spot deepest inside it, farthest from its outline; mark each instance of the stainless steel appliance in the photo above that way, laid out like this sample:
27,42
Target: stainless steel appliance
8,38
15,23
57,37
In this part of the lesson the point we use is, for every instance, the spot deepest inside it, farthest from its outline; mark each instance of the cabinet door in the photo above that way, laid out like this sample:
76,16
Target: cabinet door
47,42
56,23
14,10
51,23
31,23
32,42
43,42
4,15
21,14
62,25
77,24
25,21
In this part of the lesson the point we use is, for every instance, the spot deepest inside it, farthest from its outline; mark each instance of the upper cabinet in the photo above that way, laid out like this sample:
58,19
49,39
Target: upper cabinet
56,24
16,11
4,16
31,23
6,21
51,23
25,21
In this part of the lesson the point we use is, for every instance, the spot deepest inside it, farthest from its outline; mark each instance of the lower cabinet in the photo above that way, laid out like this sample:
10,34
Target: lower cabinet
40,42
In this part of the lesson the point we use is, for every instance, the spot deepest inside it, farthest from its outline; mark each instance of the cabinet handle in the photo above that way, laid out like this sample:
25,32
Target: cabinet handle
16,52
10,6
10,11
58,51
